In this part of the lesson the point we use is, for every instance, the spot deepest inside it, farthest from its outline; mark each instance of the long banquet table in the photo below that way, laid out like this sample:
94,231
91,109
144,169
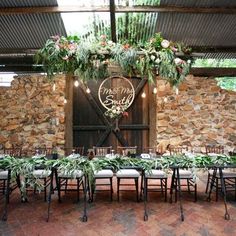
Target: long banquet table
174,162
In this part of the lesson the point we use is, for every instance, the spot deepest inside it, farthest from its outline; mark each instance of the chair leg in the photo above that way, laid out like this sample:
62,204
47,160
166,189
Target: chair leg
45,189
142,189
188,186
93,189
59,189
172,186
161,187
8,191
208,181
217,188
235,189
195,192
146,183
4,186
136,184
111,188
118,189
78,184
165,184
176,189
66,185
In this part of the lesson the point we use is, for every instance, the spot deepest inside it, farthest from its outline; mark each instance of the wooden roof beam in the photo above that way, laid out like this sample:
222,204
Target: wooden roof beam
214,49
200,72
213,72
118,9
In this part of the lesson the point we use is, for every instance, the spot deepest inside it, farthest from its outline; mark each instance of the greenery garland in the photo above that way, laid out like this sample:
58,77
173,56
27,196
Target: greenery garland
90,60
24,166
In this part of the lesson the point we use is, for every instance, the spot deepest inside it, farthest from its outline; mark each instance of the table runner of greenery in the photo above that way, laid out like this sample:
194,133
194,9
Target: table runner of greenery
24,166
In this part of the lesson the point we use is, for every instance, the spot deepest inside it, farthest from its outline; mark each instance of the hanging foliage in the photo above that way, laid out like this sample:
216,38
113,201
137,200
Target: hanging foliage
90,60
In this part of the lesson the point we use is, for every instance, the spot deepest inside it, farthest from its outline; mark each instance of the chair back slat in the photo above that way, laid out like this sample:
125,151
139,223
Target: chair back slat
102,151
14,152
177,150
126,151
214,149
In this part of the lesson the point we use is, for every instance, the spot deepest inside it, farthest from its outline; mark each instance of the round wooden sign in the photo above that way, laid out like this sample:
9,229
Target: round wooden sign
116,91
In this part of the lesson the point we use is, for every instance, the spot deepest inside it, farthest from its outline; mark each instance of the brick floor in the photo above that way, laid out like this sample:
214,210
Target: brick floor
119,218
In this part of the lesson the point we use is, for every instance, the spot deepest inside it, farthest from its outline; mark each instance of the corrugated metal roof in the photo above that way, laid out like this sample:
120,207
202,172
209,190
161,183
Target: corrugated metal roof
136,27
198,29
213,30
219,55
28,3
199,3
29,30
137,2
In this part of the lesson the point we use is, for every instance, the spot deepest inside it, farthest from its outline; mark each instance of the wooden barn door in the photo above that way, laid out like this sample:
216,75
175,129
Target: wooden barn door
92,128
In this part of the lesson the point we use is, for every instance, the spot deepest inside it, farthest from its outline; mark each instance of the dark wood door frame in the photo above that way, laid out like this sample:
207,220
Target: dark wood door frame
110,126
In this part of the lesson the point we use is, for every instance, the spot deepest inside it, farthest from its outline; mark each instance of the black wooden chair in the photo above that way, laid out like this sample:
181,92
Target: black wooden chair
105,174
64,184
156,179
13,152
215,150
127,174
7,186
40,172
186,177
229,176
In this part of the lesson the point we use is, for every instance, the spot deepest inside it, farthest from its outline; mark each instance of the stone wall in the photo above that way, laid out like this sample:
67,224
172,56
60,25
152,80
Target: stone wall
31,113
202,113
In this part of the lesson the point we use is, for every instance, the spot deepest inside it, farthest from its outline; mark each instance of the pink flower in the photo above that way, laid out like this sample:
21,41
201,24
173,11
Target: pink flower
174,49
103,44
72,47
103,37
125,113
126,46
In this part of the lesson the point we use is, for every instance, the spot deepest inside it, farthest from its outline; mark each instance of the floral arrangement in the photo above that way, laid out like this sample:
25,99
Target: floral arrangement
59,55
90,60
116,110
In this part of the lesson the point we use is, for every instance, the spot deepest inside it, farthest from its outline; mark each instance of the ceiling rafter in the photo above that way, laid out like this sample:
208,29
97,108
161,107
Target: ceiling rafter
201,72
118,9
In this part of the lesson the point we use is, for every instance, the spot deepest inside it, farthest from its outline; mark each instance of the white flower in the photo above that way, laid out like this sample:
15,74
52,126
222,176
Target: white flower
153,57
65,58
177,61
110,43
157,60
165,43
57,47
188,61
